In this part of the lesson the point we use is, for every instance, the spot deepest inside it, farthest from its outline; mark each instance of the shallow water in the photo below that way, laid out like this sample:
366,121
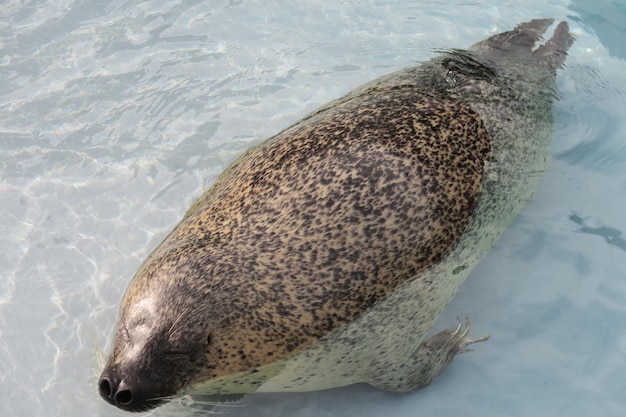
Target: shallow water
115,115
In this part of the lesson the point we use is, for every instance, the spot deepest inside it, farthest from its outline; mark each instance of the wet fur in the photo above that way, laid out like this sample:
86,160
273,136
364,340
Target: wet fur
323,256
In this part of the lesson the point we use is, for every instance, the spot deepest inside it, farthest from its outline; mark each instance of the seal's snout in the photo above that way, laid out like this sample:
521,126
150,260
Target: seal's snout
127,396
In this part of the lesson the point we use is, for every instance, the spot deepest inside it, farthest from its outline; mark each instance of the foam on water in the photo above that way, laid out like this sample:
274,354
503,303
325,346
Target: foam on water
115,115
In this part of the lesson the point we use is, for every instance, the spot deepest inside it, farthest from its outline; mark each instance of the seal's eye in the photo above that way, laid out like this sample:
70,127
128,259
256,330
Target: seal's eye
209,339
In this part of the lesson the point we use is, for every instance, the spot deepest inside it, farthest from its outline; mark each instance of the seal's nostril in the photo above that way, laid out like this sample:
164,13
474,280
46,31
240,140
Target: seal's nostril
124,397
105,388
127,393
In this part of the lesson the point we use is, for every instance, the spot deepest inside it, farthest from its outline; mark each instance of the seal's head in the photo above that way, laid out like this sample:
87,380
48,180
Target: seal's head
145,367
185,322
165,339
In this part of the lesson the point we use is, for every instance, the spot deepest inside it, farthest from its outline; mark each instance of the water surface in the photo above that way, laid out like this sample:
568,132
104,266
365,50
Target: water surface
115,115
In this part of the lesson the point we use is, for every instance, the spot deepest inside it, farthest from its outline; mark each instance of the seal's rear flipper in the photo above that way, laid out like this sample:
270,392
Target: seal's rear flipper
518,43
526,34
553,53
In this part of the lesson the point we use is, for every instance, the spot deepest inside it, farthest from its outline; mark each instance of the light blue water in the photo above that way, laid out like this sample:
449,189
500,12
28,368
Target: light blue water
115,115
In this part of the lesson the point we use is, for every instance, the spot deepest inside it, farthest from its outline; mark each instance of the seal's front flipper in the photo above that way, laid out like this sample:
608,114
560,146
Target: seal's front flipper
429,360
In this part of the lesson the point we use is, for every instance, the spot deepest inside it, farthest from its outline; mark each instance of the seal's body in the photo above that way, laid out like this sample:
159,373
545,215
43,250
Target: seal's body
323,256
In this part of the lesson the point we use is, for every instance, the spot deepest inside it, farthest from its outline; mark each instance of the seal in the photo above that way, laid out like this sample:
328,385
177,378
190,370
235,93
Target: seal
323,256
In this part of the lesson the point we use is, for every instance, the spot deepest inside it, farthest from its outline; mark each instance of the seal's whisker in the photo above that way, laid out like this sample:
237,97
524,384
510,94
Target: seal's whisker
188,401
179,321
100,361
219,404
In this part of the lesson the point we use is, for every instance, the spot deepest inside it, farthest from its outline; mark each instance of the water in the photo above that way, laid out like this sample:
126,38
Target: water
115,115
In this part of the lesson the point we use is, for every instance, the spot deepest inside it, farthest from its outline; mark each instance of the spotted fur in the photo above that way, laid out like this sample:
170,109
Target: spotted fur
323,256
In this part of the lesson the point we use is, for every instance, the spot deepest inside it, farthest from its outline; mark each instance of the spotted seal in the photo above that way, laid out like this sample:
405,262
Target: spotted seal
323,256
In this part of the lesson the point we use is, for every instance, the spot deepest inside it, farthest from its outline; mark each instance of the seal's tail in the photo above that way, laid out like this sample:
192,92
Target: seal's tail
520,41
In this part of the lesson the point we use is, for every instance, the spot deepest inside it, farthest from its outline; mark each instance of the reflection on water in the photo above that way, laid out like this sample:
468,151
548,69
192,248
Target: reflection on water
611,235
607,18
